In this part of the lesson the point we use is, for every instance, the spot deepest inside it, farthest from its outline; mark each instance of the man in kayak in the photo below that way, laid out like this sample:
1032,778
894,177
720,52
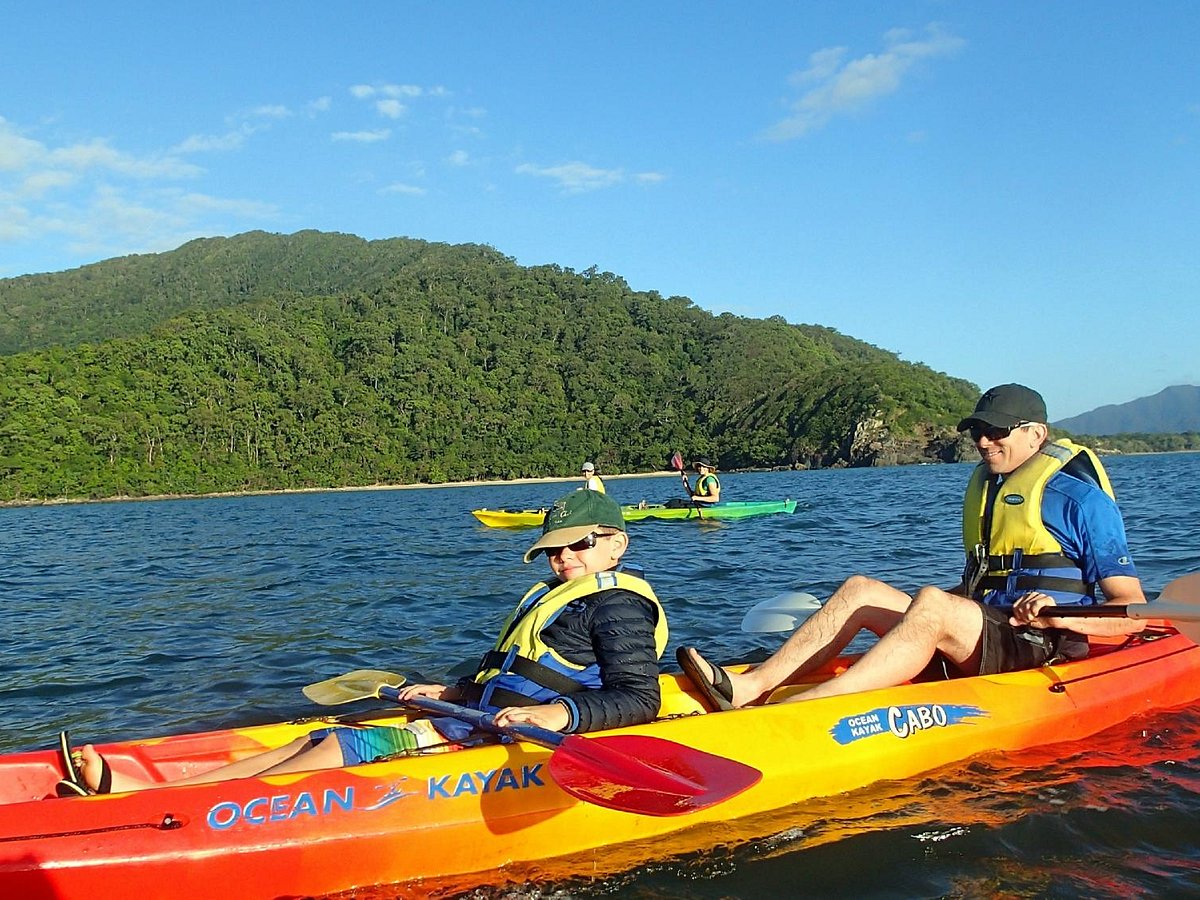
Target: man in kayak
579,653
708,488
591,481
1040,527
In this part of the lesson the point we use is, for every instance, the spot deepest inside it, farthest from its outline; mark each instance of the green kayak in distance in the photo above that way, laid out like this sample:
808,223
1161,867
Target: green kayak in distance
733,509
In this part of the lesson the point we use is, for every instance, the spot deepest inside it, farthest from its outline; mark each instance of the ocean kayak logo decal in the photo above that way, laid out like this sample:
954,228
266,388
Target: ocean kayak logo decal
902,721
285,807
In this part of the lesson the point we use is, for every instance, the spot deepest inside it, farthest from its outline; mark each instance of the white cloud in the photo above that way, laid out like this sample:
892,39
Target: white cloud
579,178
208,143
14,222
832,86
275,111
392,109
17,151
362,137
396,91
114,221
97,154
459,158
400,188
99,201
40,183
321,104
400,90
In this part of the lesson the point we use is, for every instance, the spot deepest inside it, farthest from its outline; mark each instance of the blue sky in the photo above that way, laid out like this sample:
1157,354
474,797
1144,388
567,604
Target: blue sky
1000,190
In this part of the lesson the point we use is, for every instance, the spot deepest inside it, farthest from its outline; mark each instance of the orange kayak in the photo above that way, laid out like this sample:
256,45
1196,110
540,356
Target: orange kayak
493,813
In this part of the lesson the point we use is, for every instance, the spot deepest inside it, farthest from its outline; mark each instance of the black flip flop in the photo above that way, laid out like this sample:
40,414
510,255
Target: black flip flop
74,785
719,692
66,788
70,770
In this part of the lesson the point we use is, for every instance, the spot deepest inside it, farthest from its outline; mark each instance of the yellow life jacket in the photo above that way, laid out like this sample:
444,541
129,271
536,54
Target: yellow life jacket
702,481
522,663
1017,540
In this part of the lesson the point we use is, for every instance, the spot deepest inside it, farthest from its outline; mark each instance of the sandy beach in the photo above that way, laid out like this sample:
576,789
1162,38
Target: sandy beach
328,490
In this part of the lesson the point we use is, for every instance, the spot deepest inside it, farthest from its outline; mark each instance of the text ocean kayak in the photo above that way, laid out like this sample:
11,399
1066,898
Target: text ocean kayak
734,509
489,813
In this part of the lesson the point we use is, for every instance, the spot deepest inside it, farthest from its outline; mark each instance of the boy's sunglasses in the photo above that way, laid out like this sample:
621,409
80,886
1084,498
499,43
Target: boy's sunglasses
995,432
587,542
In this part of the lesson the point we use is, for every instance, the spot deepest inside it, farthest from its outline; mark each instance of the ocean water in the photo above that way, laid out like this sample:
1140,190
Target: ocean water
142,618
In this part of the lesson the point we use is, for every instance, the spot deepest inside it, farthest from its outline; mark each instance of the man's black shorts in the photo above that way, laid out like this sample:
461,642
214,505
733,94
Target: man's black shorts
1004,648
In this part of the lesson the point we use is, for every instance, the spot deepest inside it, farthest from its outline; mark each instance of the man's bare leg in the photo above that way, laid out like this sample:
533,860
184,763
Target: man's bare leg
859,603
936,621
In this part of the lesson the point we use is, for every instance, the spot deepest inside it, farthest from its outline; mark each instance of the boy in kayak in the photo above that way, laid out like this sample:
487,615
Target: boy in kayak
579,653
1040,526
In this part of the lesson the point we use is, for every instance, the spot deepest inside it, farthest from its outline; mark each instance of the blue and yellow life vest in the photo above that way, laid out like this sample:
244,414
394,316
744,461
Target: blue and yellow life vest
1015,552
522,669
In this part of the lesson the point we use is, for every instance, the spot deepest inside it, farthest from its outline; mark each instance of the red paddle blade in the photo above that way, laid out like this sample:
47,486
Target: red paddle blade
676,461
646,775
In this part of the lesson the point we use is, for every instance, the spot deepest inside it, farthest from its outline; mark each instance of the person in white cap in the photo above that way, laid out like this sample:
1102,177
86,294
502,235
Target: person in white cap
591,481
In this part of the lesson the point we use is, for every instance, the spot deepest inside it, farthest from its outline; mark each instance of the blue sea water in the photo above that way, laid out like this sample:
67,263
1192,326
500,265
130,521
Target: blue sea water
141,618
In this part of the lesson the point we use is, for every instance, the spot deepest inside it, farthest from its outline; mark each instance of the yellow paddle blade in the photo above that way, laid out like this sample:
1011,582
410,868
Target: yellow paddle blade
361,684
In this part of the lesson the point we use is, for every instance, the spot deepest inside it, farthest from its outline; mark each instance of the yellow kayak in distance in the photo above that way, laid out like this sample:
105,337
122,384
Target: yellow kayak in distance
733,509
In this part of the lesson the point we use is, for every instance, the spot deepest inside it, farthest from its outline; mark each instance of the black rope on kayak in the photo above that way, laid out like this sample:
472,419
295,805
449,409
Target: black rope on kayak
1061,686
167,823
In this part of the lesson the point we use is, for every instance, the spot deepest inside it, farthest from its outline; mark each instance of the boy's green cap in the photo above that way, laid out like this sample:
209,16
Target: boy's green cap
574,517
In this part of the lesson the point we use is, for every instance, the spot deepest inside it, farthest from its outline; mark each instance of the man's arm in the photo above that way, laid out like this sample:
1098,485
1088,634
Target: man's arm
1118,589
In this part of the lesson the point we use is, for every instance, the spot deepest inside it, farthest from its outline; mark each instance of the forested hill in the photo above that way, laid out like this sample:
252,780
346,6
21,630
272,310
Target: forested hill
279,361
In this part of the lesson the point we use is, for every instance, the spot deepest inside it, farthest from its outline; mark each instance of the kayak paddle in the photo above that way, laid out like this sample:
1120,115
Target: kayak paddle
631,773
677,465
782,613
1179,603
361,684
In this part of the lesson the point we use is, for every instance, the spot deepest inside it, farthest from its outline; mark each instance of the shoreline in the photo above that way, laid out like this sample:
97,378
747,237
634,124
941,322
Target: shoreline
122,498
265,492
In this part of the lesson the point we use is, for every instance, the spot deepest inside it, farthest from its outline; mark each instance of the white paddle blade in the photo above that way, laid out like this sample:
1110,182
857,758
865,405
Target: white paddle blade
361,684
782,613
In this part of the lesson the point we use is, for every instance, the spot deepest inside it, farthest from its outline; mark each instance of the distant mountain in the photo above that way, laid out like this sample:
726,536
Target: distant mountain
1174,410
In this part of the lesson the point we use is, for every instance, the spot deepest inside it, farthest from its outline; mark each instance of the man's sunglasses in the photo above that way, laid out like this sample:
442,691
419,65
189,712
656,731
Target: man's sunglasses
587,542
995,432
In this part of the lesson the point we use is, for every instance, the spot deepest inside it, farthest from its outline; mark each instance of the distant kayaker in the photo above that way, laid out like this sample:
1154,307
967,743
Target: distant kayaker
579,653
591,481
707,489
1040,527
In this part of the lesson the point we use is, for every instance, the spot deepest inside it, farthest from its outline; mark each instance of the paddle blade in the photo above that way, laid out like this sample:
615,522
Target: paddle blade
676,461
646,775
361,684
782,613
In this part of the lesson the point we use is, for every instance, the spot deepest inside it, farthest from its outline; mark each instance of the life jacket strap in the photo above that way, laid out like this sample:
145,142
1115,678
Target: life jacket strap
534,671
1010,561
473,694
1038,583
